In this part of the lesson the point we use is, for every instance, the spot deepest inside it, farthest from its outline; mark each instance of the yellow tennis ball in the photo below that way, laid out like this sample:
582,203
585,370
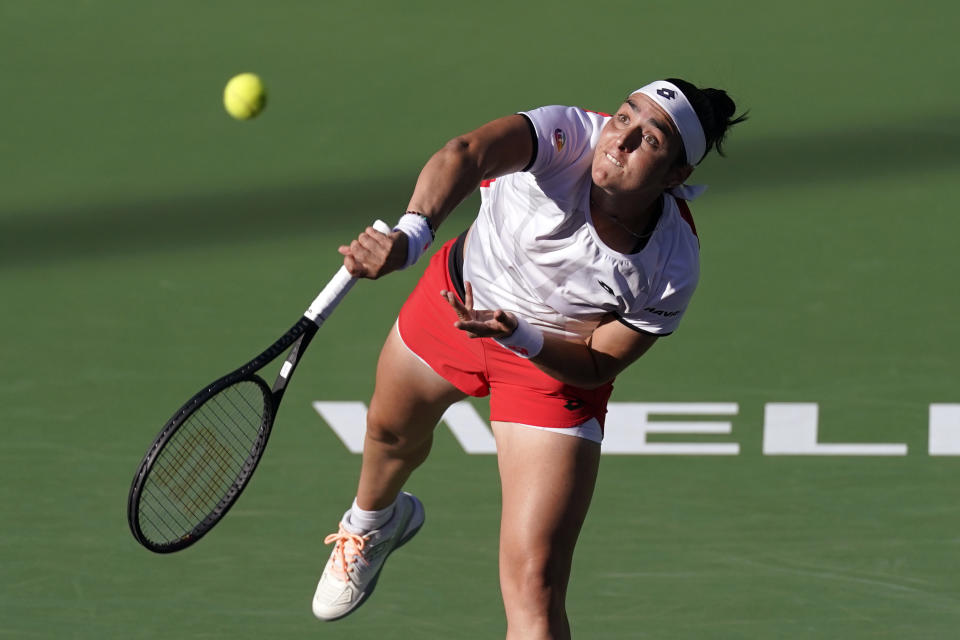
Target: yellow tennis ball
244,97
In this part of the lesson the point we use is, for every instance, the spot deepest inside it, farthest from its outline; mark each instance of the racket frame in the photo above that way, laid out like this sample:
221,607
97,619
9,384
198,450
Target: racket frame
296,340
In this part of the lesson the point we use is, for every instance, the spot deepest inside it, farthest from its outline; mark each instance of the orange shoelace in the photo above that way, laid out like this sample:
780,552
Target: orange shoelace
348,547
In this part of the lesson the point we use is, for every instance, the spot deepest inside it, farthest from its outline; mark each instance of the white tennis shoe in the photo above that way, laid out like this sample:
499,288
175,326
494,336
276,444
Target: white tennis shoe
354,566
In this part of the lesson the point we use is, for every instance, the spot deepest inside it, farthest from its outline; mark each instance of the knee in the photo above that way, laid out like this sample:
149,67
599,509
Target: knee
535,582
534,599
389,432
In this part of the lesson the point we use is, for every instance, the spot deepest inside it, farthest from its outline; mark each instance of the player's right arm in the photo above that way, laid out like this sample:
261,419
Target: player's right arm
455,171
497,148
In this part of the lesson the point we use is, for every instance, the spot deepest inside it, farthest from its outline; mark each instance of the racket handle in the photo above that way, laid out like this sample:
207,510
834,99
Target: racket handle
337,289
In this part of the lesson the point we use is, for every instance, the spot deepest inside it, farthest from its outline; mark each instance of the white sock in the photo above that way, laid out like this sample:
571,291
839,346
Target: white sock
367,521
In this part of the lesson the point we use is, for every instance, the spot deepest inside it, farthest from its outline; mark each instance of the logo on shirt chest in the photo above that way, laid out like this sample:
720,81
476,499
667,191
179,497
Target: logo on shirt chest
618,301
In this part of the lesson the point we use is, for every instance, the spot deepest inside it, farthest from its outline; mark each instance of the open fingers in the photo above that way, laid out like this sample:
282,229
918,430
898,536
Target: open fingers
463,313
482,323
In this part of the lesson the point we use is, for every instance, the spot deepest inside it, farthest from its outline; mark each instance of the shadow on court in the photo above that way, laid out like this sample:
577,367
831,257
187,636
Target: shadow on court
794,160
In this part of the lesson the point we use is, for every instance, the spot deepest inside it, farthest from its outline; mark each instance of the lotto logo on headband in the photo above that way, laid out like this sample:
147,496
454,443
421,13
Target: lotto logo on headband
671,99
559,139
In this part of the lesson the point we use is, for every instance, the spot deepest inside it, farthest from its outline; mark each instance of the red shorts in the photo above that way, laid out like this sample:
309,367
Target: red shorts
519,392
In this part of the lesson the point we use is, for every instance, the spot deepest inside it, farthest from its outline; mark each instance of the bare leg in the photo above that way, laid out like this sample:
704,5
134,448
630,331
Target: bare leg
408,401
548,481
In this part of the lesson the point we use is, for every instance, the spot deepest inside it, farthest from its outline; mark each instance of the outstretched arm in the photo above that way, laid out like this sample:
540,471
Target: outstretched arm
497,148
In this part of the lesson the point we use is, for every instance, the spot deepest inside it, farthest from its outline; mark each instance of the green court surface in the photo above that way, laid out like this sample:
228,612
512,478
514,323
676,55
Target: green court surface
149,243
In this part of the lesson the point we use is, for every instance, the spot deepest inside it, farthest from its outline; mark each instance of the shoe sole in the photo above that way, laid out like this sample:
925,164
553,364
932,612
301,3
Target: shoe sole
418,512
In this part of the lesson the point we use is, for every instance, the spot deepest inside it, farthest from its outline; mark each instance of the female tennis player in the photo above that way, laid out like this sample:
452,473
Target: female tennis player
582,256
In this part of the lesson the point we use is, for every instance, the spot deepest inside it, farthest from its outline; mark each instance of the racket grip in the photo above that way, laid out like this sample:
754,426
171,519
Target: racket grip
337,289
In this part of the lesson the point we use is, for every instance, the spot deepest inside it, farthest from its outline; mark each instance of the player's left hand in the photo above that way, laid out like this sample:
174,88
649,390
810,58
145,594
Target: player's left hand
479,323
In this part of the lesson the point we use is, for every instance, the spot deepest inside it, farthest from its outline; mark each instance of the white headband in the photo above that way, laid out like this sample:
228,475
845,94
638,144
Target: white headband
669,97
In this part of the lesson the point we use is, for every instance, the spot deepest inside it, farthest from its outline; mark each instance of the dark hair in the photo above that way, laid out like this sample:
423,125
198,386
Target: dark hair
715,111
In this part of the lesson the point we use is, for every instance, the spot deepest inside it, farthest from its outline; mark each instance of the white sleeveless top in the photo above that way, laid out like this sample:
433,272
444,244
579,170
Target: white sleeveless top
534,250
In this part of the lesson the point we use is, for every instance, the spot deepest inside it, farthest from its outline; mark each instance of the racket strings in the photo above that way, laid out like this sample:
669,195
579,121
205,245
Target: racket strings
182,472
201,467
202,461
178,496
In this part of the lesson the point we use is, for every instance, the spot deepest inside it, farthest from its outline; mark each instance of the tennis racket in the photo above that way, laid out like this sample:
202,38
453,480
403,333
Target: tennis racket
204,456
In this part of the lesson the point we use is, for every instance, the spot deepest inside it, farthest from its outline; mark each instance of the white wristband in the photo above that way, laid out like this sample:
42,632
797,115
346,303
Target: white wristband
526,341
419,235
